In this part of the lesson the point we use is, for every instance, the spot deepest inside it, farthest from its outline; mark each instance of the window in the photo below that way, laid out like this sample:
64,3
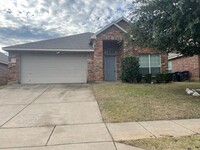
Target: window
170,66
150,63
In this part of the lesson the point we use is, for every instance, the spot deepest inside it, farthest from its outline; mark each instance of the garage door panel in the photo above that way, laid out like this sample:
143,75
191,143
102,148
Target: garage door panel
51,68
56,66
66,73
62,79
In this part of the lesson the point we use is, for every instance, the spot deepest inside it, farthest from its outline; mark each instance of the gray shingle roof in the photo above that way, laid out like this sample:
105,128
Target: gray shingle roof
3,58
73,42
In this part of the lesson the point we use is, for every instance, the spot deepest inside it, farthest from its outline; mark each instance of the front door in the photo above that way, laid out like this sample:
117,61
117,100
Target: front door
109,68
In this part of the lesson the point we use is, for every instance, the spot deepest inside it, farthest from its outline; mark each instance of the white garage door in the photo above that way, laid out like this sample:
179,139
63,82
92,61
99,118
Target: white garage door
53,68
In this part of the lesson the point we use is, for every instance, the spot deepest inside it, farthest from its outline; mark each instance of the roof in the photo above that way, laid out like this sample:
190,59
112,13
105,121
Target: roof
112,24
120,19
3,58
78,42
173,56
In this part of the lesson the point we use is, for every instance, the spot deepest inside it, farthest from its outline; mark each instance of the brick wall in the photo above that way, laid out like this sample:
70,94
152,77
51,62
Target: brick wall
90,65
13,67
3,74
113,33
136,51
191,64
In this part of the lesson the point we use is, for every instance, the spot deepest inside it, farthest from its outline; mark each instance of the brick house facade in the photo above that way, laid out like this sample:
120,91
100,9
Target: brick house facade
108,45
191,64
112,33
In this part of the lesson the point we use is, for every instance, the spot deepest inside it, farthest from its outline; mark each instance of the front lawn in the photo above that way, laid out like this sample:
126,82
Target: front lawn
121,102
179,143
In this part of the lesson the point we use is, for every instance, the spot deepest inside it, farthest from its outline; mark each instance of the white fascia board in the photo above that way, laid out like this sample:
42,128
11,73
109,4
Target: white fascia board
52,50
122,18
2,62
120,28
106,27
95,35
171,58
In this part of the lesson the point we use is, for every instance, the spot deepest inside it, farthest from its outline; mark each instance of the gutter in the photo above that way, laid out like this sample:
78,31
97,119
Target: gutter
51,50
5,63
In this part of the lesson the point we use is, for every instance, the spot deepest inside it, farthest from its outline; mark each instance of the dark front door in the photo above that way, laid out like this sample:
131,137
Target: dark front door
109,68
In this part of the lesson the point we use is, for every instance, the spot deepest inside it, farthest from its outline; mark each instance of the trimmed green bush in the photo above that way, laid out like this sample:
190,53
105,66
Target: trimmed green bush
139,78
130,69
159,77
168,77
147,78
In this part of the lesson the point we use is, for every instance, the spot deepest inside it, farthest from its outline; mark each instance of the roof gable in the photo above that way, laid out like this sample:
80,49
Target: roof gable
115,23
122,18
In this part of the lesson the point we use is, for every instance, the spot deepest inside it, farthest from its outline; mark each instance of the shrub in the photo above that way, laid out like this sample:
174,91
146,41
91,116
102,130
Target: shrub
139,78
159,77
130,69
147,78
168,77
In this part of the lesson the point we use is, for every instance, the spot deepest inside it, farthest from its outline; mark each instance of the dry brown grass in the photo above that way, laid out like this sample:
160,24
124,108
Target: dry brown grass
180,143
121,102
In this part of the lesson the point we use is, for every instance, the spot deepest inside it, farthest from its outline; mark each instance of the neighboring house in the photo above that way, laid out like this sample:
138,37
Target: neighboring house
179,63
3,69
80,58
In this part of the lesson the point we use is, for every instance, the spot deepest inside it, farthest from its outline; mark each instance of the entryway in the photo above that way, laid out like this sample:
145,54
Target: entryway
110,49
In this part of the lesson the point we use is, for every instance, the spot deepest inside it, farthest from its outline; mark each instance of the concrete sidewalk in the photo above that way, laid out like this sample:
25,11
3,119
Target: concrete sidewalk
95,136
60,117
153,129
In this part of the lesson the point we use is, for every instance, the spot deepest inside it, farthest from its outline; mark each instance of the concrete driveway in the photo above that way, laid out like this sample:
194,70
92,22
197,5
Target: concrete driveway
55,116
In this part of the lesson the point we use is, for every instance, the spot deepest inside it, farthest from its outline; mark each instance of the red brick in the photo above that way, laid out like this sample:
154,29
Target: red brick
191,64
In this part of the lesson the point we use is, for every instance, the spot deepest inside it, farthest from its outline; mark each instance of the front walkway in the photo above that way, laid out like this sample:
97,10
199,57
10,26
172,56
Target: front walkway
61,116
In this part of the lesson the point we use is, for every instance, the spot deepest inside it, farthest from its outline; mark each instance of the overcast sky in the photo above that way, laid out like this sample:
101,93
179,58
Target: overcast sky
24,21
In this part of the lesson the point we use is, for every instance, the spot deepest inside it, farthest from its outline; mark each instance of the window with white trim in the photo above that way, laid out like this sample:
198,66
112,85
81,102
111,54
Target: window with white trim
150,63
170,66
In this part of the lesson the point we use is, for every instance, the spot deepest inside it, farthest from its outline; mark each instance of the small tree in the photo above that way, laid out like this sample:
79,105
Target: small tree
130,69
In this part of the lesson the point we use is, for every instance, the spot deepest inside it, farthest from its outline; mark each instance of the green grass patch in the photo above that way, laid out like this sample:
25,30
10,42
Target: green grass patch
121,102
180,143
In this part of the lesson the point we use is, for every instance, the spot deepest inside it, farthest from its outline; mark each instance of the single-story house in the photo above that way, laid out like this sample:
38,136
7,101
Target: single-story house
3,69
179,63
80,58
